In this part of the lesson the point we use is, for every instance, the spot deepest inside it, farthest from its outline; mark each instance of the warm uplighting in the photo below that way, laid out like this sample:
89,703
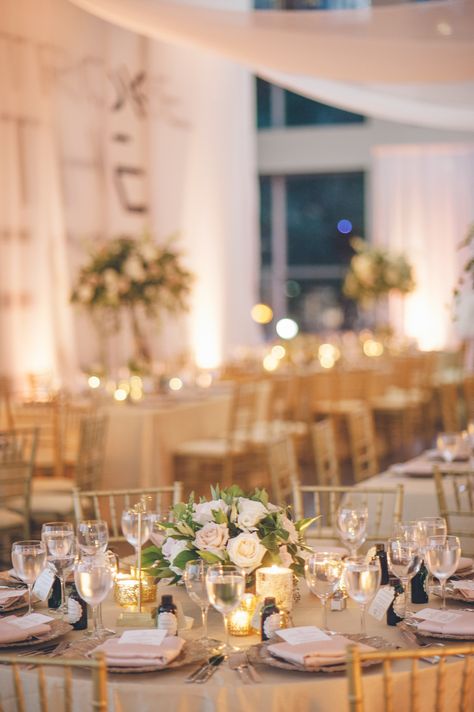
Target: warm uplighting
279,352
287,328
93,381
372,348
262,313
120,394
270,362
328,354
204,380
175,384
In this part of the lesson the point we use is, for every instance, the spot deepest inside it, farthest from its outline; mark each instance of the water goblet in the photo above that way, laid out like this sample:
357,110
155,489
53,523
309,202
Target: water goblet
404,559
323,573
351,523
442,559
92,536
225,586
61,551
93,577
29,560
362,580
448,445
194,578
132,522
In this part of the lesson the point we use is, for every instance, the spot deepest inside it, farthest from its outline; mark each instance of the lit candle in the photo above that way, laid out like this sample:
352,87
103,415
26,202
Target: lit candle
276,581
239,622
126,590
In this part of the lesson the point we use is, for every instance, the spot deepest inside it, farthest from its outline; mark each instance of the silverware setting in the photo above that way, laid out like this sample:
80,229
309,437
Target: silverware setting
206,670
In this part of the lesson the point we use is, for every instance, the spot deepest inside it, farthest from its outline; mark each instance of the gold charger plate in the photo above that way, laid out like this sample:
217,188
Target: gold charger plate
192,652
453,595
57,629
260,654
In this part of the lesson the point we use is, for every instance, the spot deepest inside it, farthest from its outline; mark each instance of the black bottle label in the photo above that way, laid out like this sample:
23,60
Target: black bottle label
418,586
54,600
80,624
270,621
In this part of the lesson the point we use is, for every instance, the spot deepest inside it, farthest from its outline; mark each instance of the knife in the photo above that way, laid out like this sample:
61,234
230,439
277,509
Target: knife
211,669
200,670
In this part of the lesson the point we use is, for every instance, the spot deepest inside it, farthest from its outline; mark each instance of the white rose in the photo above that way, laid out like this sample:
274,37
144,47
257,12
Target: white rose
288,526
203,511
285,558
212,537
250,513
134,269
172,547
246,551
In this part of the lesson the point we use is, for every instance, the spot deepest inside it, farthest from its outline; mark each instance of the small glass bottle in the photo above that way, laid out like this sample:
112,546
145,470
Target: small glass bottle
81,624
270,621
381,555
419,594
392,617
54,600
167,615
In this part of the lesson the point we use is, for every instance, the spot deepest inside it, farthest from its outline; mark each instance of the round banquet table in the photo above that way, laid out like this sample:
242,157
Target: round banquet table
279,690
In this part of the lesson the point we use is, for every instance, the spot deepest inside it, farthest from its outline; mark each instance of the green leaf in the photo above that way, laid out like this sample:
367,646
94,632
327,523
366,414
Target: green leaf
183,557
219,516
303,524
209,557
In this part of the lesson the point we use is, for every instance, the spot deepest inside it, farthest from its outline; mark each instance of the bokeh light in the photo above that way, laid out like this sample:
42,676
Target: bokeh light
262,313
120,394
175,384
204,379
292,288
279,351
372,348
93,381
344,226
270,362
287,328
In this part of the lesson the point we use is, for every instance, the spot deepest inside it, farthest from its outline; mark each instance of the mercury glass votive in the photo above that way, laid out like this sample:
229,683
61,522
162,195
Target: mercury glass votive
240,620
126,590
276,581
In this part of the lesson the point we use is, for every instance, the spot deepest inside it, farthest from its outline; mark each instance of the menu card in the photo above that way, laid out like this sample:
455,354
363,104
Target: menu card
302,634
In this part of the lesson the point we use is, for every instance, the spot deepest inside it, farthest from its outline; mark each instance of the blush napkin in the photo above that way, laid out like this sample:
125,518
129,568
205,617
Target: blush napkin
316,653
11,597
140,654
10,633
464,625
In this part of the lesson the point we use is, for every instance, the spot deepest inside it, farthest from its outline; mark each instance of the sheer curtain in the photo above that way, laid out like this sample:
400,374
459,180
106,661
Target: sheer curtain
423,203
35,319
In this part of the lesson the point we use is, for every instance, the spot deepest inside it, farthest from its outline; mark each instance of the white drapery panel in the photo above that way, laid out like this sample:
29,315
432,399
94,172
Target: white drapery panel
422,204
35,319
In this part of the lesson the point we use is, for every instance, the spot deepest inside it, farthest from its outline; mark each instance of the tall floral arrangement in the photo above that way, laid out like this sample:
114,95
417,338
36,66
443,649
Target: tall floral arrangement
374,273
133,274
233,527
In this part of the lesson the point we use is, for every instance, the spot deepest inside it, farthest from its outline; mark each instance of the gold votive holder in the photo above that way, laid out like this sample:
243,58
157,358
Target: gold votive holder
240,620
276,581
126,590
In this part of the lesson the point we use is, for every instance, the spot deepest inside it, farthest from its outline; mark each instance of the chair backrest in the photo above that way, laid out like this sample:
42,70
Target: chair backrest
281,397
449,403
283,467
468,388
324,450
450,689
243,412
91,452
109,504
48,700
455,492
47,418
385,507
6,416
360,424
17,458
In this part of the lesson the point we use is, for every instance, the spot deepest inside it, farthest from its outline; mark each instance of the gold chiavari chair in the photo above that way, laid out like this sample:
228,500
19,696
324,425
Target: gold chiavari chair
450,685
325,455
24,688
468,389
362,443
283,468
449,403
17,458
109,504
455,493
6,416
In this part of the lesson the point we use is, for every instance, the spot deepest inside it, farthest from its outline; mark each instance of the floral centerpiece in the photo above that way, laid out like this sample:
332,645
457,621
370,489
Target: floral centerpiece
374,272
245,530
135,274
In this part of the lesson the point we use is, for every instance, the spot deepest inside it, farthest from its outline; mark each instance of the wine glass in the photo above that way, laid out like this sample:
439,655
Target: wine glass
92,536
29,560
404,559
362,580
93,577
409,531
61,550
442,558
132,522
225,586
194,578
448,445
157,531
323,573
351,525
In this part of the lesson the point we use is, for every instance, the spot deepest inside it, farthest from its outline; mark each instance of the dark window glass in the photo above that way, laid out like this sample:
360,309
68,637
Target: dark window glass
264,112
320,305
265,220
300,111
315,205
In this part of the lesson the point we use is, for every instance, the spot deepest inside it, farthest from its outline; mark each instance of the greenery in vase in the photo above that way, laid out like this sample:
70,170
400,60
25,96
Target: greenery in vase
232,527
374,272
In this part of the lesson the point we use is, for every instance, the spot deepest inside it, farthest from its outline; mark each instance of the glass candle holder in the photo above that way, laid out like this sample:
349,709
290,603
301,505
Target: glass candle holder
126,590
276,581
240,620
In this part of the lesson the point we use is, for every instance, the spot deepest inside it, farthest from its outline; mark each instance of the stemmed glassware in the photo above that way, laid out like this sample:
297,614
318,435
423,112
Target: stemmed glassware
29,560
442,558
351,523
323,573
93,577
92,536
362,580
225,586
61,551
448,445
130,526
404,559
195,581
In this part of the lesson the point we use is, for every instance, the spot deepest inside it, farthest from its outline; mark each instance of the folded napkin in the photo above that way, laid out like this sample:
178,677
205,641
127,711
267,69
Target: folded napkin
10,597
11,633
138,654
464,625
465,564
317,653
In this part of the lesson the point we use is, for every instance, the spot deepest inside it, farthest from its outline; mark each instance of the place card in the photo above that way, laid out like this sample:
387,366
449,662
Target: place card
302,634
44,584
381,603
464,585
438,616
152,636
30,621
